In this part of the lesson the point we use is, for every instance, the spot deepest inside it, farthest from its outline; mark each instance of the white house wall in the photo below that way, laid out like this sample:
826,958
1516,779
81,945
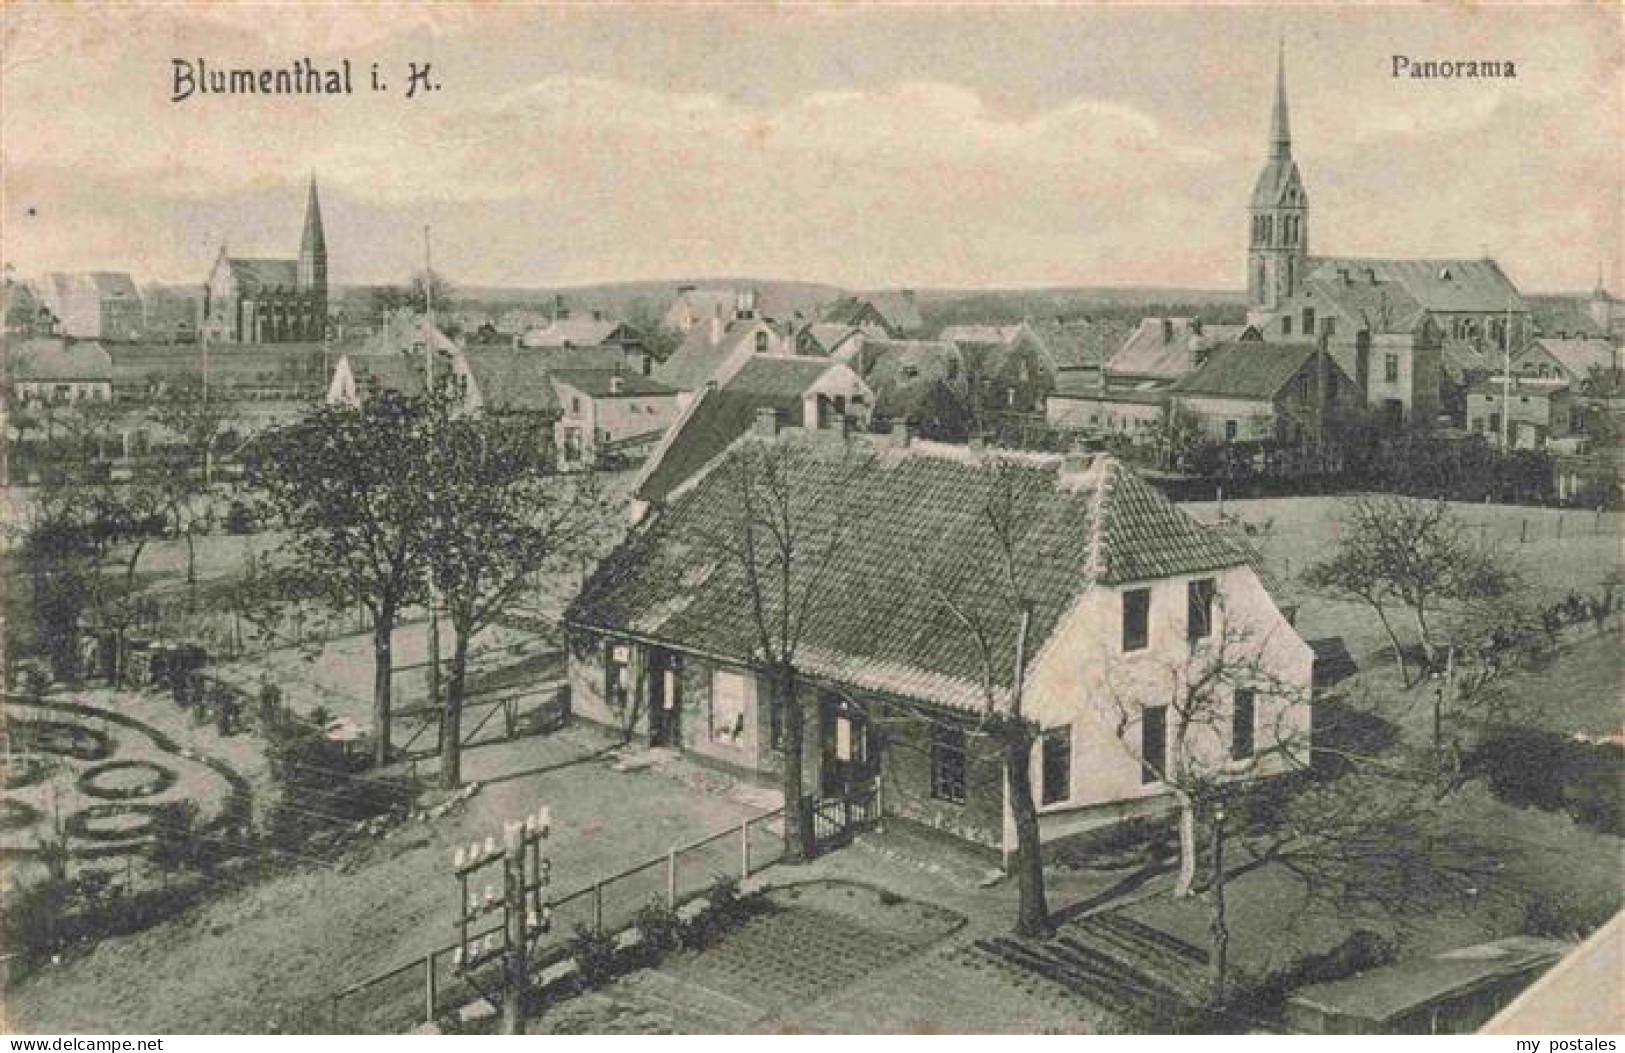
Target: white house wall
1085,679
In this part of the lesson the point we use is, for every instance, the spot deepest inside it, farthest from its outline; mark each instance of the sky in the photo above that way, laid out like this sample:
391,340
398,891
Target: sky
926,145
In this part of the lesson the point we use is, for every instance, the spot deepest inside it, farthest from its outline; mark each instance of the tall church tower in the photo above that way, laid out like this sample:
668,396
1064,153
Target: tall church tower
1278,251
312,274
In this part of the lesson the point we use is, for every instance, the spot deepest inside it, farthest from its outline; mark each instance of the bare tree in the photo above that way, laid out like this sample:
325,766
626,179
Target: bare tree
1412,553
1002,715
1208,752
781,527
498,512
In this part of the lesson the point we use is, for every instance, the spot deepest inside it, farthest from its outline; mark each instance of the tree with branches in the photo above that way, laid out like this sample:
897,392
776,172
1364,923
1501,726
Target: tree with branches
1001,516
1214,741
340,481
784,535
497,512
1411,553
185,473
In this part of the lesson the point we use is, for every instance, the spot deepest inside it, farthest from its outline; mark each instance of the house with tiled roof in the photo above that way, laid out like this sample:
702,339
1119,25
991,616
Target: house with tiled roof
1262,392
827,339
571,332
609,415
815,394
907,630
716,349
1081,346
788,304
922,381
895,311
1007,377
1158,351
1571,360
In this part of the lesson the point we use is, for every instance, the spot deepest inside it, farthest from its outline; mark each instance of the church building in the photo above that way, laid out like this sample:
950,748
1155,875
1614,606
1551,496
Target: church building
271,301
1387,321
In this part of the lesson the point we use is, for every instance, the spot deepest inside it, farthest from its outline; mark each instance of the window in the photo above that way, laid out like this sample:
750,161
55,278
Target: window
1241,725
575,404
727,706
1057,760
1308,321
1390,368
1199,609
617,675
1231,430
761,343
1286,325
1136,619
1153,743
948,763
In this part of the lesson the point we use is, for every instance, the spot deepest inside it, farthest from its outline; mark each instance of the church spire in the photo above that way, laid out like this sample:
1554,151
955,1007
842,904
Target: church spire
312,272
314,240
1280,127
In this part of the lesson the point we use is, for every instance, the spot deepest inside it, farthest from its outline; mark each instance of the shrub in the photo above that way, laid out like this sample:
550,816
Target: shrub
239,519
659,929
595,956
1564,915
177,837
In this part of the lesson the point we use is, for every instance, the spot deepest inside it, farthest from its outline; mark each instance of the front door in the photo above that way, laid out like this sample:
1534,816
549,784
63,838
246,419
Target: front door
847,755
665,701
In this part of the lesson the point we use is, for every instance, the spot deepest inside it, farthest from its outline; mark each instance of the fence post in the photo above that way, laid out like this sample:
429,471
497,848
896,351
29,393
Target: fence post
744,850
430,995
671,877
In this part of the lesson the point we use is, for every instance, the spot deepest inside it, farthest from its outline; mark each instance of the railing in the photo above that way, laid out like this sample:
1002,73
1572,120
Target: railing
426,987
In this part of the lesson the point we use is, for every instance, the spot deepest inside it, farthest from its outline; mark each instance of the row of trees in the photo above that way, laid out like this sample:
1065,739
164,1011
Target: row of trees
408,501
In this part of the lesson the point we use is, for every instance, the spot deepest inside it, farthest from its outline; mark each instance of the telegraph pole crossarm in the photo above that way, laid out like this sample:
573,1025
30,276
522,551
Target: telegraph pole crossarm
522,904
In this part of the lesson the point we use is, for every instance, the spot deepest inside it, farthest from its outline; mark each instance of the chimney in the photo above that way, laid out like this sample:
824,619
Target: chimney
1167,330
1371,275
716,326
767,422
899,431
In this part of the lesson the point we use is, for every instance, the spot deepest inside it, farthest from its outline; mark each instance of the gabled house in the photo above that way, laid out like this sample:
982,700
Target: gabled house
716,351
1122,587
828,339
1570,360
1081,347
1007,376
94,305
609,415
916,380
1257,392
1158,352
897,312
571,333
810,393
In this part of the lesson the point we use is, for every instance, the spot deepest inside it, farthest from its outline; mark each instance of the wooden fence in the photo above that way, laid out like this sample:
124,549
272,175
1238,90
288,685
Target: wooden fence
425,988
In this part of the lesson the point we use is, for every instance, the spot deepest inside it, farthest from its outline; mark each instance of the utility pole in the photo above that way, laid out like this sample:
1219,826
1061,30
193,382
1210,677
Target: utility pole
1506,384
526,913
428,380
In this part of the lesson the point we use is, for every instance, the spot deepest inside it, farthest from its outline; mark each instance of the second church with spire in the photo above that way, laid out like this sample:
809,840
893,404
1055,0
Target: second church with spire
1278,250
271,301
